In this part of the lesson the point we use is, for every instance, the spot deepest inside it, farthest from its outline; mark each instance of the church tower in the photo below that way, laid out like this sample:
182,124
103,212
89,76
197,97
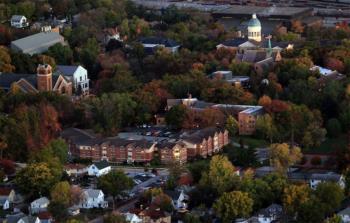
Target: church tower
44,77
254,29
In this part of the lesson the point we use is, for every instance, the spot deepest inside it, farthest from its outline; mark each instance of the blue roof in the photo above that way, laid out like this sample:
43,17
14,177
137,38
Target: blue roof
67,70
254,21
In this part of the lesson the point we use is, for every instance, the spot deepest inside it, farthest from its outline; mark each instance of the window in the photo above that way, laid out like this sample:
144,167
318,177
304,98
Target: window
81,78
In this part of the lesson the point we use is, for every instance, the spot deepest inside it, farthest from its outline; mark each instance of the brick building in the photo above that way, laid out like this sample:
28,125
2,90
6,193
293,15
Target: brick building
203,143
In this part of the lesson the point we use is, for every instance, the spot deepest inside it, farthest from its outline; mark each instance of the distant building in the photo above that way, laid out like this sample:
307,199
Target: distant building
151,44
245,114
345,215
272,213
43,81
37,43
19,21
238,81
76,74
317,178
327,75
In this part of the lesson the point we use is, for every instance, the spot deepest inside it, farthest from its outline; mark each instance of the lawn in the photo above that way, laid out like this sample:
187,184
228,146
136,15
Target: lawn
250,141
331,145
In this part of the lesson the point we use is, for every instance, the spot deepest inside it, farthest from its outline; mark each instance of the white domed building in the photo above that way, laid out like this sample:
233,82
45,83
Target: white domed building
254,29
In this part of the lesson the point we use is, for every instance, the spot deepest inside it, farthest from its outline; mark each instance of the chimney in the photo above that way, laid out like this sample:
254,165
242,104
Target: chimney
44,77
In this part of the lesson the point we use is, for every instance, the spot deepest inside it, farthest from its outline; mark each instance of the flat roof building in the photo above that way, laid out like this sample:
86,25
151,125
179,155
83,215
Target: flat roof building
37,43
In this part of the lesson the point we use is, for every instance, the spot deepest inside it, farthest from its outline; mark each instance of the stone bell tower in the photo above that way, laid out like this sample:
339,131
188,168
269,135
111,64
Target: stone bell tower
44,77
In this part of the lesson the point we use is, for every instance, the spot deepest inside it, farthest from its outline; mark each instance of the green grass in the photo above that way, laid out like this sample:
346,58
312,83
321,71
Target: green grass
251,141
331,145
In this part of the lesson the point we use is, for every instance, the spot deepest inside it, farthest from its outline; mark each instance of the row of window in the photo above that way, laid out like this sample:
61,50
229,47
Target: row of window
254,34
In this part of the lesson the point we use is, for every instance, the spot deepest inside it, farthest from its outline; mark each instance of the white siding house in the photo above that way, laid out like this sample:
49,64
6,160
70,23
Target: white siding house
19,21
317,178
39,205
345,215
93,199
78,75
99,169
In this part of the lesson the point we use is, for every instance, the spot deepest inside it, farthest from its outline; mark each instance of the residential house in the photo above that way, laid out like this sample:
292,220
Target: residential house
45,217
93,199
171,152
19,21
179,199
7,197
99,169
21,218
43,81
74,169
37,43
270,214
345,215
153,215
111,34
317,178
238,81
327,75
132,218
77,75
39,205
151,44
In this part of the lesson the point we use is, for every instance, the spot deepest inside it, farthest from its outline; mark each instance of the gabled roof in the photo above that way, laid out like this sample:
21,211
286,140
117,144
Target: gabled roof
67,70
326,176
36,40
174,194
6,79
41,201
272,210
159,41
92,193
234,42
29,219
345,211
102,164
15,217
17,18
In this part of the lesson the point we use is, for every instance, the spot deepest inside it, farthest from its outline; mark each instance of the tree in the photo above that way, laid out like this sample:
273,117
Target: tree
114,218
163,202
311,211
334,219
232,205
5,60
58,210
330,195
60,193
59,149
266,127
62,54
333,127
221,175
149,194
294,196
232,125
259,191
175,116
197,168
282,156
191,218
35,179
114,184
3,146
277,183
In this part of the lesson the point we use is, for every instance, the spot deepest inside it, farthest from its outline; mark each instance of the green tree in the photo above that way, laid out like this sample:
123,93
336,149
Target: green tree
277,184
163,202
114,218
266,127
175,116
35,179
61,193
311,211
282,156
232,125
333,127
191,218
330,195
89,52
221,175
62,54
259,191
59,149
114,184
232,205
58,210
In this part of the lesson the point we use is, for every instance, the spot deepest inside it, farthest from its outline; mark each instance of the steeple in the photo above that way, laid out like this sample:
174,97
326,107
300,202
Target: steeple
269,50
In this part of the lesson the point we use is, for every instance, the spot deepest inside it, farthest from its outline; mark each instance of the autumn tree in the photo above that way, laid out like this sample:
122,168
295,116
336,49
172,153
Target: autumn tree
282,156
60,193
221,175
233,205
163,202
297,26
5,60
294,196
232,125
175,116
36,179
265,126
114,184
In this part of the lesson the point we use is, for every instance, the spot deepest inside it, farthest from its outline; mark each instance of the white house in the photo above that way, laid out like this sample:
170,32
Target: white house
99,169
7,197
270,214
93,199
179,199
21,218
78,75
345,215
317,178
19,21
39,205
73,169
132,218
